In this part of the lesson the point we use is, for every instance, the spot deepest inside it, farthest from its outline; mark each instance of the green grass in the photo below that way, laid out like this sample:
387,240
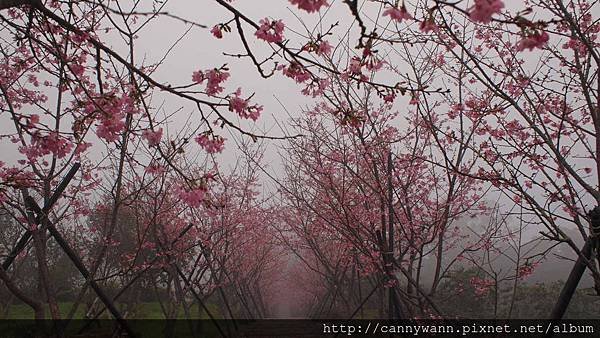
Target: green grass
100,329
22,311
367,314
142,311
154,311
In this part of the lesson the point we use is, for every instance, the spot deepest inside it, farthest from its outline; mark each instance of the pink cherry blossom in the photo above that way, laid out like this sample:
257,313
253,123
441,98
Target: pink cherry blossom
310,5
240,106
214,79
455,110
154,168
211,143
481,286
333,192
316,87
536,40
237,104
483,10
198,76
192,197
324,48
576,45
527,270
153,137
270,31
33,120
390,97
77,69
43,145
82,147
295,71
109,129
355,66
428,26
371,60
397,14
217,32
111,112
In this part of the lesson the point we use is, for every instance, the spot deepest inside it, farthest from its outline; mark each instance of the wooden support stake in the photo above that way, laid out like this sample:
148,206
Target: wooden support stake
33,206
24,240
578,269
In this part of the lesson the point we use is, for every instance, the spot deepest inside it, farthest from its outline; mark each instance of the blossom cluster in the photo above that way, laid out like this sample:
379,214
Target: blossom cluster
211,143
192,197
310,5
270,30
240,106
483,10
153,137
214,79
397,14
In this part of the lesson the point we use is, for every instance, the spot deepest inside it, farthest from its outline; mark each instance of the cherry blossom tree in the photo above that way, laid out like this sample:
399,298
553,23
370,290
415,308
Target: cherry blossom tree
73,95
419,111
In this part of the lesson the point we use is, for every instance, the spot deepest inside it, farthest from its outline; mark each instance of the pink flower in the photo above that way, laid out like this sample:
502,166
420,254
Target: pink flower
310,5
526,270
198,76
82,147
576,45
214,77
77,69
237,104
153,137
193,197
211,143
483,10
390,97
371,61
455,110
414,100
296,71
216,32
324,48
109,129
532,41
355,66
80,38
240,106
397,14
154,168
481,286
428,26
316,87
33,120
270,31
52,143
111,112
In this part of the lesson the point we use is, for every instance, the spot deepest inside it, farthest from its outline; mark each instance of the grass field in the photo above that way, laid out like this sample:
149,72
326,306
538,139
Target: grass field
17,323
141,311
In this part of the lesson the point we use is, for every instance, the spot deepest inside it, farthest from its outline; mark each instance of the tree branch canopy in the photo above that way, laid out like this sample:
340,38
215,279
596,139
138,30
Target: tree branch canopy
4,4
